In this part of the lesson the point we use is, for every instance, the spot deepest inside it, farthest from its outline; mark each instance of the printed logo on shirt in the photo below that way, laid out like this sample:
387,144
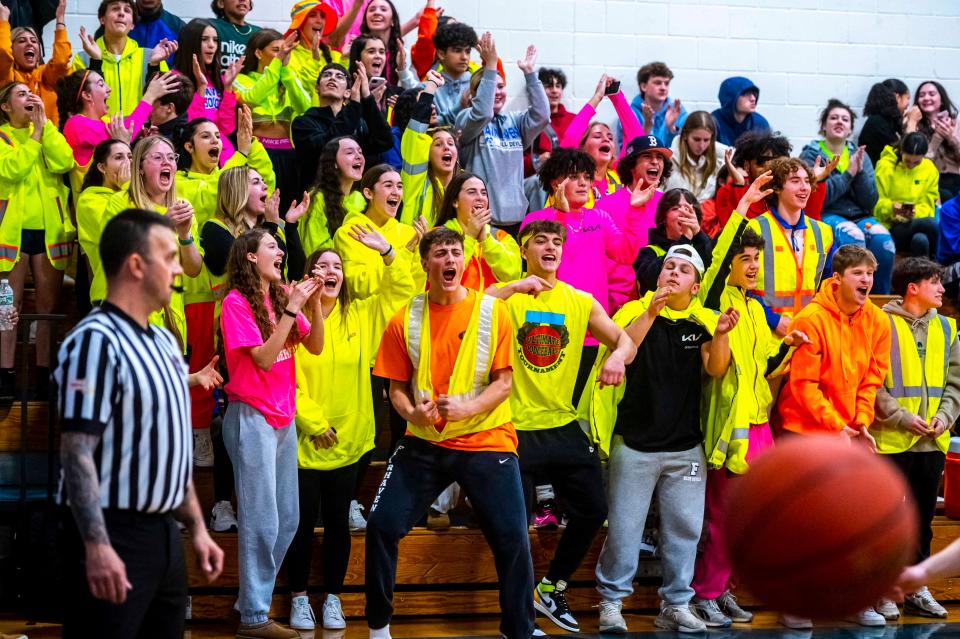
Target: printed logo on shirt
504,139
541,341
283,356
691,340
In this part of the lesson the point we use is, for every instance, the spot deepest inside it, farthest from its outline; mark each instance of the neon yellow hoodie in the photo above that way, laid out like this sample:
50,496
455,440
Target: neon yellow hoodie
333,388
897,183
261,92
418,195
363,269
200,189
125,74
314,233
91,209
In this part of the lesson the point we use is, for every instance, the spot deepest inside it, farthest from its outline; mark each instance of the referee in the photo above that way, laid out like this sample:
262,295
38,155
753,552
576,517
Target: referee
126,447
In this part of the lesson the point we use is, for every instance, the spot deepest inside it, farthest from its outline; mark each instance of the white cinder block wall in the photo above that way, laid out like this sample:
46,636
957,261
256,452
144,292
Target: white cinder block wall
799,57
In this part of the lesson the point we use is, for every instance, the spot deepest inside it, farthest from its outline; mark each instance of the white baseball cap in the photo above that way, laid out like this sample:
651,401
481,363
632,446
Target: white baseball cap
687,253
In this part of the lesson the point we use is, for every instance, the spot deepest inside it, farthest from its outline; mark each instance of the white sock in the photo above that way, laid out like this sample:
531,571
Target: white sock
381,633
545,492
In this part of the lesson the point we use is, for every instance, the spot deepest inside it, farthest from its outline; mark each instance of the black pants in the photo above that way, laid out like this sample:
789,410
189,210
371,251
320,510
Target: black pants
152,552
565,457
923,472
328,492
920,236
418,471
222,466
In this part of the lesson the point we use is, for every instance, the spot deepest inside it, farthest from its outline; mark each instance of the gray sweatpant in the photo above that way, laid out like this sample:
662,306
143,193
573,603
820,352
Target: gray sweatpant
268,508
680,480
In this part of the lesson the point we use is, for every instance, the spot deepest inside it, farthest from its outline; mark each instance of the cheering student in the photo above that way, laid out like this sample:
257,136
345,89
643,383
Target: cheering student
448,355
262,327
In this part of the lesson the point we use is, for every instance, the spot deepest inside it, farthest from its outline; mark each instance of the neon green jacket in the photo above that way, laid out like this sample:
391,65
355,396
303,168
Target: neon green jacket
418,195
598,406
897,183
314,233
91,207
32,192
262,93
200,189
125,74
350,346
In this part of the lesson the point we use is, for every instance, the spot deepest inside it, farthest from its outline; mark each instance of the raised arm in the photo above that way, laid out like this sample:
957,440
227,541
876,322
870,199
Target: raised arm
622,348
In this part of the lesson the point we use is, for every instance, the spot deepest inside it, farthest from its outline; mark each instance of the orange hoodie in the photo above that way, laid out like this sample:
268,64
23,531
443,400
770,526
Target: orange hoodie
834,379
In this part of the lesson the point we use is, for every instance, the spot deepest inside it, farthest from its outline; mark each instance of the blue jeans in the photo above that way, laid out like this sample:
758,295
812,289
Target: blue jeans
870,233
268,507
417,472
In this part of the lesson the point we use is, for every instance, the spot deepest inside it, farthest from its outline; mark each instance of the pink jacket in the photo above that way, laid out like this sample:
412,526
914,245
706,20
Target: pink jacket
223,115
593,241
581,122
84,133
622,280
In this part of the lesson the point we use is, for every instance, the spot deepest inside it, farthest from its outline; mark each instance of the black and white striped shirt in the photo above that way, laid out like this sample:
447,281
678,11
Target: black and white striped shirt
128,385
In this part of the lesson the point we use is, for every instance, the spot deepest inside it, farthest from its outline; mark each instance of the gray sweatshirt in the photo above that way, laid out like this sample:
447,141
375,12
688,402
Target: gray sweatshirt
890,414
491,146
447,98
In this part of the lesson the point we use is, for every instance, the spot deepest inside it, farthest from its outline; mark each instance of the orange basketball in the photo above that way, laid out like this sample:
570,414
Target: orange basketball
820,529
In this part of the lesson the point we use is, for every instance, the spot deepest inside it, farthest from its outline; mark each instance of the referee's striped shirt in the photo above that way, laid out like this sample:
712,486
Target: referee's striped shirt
128,385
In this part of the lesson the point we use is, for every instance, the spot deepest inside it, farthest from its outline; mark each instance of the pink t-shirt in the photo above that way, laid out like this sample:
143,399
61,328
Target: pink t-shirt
621,277
271,392
84,134
592,238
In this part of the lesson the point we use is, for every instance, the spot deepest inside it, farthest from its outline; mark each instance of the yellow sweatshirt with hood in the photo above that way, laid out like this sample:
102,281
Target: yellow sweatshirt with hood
897,183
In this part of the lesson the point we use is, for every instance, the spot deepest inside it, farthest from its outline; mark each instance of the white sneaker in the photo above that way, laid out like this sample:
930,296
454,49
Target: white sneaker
922,603
611,617
887,609
679,618
202,448
301,614
223,518
794,622
357,522
867,617
380,633
333,614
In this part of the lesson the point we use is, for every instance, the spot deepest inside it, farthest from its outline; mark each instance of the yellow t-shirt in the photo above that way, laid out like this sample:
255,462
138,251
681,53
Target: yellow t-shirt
548,340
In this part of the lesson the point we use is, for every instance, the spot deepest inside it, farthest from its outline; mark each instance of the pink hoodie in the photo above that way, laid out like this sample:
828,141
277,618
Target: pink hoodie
84,134
622,280
594,240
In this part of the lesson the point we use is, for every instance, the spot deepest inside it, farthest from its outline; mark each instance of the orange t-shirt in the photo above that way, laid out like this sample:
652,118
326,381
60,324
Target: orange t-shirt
448,323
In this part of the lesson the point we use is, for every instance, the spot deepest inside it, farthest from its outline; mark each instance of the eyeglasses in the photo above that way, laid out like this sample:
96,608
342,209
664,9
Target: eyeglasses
338,75
172,158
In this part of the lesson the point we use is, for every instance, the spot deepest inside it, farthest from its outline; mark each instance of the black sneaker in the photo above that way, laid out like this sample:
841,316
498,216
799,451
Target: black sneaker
549,599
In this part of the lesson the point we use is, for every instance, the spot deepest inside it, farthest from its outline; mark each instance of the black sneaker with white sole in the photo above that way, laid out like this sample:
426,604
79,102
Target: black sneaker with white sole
548,598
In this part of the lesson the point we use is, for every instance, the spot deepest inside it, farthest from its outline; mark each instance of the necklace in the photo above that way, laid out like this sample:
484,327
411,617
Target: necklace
243,33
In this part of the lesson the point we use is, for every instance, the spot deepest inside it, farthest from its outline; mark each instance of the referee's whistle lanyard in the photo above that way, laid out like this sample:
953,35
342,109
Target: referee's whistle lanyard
801,225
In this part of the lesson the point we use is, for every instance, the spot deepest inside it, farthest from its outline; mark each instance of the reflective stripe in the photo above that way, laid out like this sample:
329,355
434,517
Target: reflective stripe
769,270
8,252
484,329
900,390
414,334
415,169
821,256
740,433
896,366
60,251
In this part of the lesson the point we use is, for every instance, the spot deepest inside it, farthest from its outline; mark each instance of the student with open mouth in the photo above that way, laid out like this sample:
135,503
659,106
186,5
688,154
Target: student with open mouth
315,23
33,230
263,326
335,422
430,154
382,190
153,188
21,59
197,57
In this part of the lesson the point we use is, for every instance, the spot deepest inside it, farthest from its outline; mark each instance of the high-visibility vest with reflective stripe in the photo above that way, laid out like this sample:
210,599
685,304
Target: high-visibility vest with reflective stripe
471,371
784,284
908,377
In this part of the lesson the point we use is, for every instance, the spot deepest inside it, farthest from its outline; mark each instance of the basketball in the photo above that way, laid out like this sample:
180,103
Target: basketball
820,529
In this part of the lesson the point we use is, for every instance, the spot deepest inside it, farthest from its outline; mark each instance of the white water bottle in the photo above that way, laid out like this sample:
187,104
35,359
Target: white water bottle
6,305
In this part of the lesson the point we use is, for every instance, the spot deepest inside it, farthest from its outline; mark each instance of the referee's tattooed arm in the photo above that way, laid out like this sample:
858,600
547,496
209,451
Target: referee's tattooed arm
83,485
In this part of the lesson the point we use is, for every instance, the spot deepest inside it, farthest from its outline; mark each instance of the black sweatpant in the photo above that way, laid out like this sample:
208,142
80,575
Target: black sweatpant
417,472
330,493
923,472
565,458
152,552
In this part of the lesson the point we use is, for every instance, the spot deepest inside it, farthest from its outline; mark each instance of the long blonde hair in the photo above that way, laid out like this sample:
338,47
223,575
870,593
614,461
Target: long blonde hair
698,120
232,195
138,187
